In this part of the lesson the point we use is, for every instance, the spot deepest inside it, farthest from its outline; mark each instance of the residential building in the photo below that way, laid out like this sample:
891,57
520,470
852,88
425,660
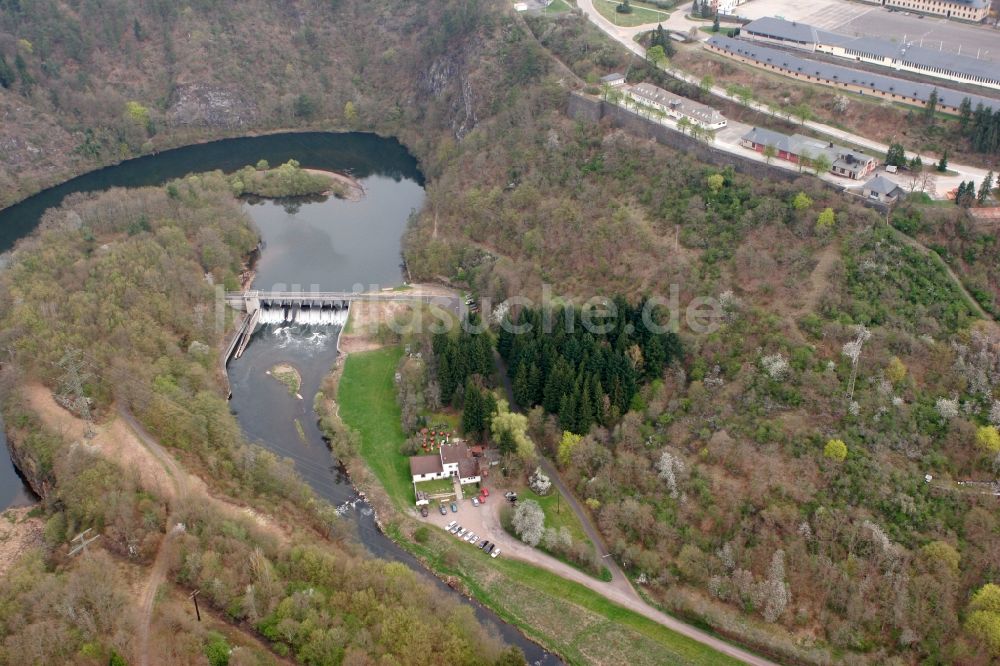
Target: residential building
844,78
426,468
452,460
909,56
614,79
882,189
675,106
966,10
845,162
726,6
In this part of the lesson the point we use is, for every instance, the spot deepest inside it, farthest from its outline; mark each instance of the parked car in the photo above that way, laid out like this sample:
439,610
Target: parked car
450,525
471,537
454,529
482,499
461,532
484,545
443,510
490,549
475,502
495,553
485,492
424,512
454,508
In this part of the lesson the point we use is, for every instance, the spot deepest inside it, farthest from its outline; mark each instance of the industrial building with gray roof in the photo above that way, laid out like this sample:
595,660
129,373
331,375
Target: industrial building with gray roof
905,55
838,76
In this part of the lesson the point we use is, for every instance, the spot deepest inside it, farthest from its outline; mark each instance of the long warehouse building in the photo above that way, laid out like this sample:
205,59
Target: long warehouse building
907,56
845,78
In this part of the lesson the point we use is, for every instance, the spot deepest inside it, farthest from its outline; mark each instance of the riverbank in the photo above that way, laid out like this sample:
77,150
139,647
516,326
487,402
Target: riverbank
180,140
344,186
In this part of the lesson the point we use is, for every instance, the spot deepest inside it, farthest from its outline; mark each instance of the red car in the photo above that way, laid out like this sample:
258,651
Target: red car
485,492
482,499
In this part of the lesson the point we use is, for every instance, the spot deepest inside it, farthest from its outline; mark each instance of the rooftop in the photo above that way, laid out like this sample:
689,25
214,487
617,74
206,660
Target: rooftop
420,465
701,112
909,51
842,74
771,26
882,185
613,76
797,144
454,453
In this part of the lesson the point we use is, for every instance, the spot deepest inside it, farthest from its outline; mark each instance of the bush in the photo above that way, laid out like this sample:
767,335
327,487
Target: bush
836,450
988,439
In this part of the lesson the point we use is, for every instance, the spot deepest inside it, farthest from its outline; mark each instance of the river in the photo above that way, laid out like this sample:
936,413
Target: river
331,245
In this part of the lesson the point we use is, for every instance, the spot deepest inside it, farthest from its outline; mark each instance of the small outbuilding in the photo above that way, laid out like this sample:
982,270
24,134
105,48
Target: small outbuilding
882,189
614,79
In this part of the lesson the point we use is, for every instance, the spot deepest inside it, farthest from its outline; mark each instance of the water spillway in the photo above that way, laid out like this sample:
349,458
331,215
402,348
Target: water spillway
304,314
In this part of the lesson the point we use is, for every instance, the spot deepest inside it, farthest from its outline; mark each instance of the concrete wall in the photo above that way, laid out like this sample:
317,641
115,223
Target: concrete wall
581,107
591,109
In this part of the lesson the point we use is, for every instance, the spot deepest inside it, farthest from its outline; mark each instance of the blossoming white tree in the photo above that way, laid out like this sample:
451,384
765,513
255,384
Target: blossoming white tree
669,467
852,350
529,522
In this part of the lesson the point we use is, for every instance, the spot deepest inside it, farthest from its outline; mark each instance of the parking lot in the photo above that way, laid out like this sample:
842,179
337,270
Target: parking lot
858,19
475,518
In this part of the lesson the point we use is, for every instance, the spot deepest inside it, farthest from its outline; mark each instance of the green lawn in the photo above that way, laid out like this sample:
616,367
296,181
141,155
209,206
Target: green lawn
726,32
639,15
570,618
558,6
436,486
558,514
367,397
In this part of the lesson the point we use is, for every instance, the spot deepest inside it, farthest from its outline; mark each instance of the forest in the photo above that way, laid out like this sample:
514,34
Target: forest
585,368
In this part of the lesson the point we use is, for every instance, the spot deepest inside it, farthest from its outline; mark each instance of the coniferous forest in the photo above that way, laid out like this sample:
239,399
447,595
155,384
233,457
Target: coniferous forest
585,374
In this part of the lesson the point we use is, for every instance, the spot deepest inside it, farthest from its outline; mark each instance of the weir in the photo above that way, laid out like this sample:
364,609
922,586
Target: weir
252,300
315,308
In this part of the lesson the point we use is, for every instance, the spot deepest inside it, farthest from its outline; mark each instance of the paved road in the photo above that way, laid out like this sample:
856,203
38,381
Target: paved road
728,139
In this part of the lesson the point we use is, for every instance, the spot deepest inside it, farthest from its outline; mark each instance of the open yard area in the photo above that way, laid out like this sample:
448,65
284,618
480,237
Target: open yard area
436,486
639,16
367,398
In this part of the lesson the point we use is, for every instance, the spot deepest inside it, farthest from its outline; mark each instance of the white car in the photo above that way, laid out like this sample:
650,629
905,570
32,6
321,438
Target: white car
450,525
471,537
495,553
475,502
461,533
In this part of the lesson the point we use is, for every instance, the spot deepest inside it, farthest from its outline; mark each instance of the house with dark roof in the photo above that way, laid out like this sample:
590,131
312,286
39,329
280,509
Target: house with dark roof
675,106
796,148
882,189
452,460
844,78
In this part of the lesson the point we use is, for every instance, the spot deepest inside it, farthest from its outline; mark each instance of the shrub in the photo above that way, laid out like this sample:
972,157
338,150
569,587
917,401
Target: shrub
835,449
988,439
984,620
